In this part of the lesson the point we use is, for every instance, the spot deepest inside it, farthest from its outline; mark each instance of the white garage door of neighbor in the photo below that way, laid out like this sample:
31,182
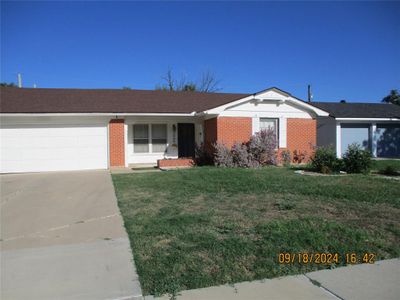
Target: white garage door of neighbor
34,148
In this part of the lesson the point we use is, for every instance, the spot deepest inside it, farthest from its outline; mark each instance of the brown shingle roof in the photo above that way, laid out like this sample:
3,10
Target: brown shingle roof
29,100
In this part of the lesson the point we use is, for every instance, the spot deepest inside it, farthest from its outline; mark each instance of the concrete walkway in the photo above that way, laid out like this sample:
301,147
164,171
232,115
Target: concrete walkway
367,282
62,237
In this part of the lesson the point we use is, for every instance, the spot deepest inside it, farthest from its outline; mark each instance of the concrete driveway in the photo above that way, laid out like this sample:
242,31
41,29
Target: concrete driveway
62,237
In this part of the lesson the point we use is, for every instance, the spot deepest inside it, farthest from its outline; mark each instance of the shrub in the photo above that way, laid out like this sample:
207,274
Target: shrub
356,159
389,171
299,156
222,156
262,148
286,157
325,161
202,156
240,155
259,151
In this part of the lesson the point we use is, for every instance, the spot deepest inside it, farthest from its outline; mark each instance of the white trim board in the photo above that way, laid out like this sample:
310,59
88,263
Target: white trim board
367,119
270,95
94,114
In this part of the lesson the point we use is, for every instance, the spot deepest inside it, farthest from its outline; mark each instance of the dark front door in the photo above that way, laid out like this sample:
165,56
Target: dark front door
185,140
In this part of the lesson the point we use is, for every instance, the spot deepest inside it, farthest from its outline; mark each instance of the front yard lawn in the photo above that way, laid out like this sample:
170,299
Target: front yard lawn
208,226
381,164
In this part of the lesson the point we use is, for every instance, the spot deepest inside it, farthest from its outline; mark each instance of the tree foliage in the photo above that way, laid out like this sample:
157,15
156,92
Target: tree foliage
11,84
393,97
208,83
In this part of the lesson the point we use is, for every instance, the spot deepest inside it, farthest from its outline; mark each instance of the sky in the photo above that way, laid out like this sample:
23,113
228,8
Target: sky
345,50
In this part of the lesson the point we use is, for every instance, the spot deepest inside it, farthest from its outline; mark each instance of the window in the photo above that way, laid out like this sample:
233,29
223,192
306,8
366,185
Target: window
149,138
269,123
141,138
159,137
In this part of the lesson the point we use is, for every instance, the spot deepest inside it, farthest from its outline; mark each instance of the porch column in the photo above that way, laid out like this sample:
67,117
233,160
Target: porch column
116,140
374,144
338,140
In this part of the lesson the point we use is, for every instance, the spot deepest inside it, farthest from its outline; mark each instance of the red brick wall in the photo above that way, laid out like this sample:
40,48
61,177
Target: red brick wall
210,133
180,162
233,129
117,143
302,135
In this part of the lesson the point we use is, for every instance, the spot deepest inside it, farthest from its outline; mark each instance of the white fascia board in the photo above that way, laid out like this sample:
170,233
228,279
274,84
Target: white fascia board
258,97
95,114
317,111
290,98
368,119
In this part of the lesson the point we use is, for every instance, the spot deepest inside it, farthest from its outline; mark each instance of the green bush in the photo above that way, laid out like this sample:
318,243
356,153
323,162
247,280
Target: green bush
325,161
389,171
356,159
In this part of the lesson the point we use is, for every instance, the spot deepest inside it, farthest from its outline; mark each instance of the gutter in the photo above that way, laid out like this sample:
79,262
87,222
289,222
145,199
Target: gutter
367,119
192,114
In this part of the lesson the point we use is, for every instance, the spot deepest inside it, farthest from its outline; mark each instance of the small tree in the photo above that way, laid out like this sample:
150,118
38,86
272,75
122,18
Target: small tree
393,97
208,83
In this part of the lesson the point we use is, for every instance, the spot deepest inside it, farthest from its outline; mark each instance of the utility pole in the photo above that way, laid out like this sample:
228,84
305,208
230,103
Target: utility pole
19,80
310,95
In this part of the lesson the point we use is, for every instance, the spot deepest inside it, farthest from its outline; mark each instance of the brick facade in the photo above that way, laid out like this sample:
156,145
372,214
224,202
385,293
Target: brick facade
233,129
302,136
301,133
210,133
227,130
173,163
117,142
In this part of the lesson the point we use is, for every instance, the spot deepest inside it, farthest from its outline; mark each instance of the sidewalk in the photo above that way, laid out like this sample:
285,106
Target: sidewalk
368,282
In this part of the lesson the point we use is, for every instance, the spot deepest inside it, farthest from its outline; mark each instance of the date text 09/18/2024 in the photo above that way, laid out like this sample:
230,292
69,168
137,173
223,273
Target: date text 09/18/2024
326,258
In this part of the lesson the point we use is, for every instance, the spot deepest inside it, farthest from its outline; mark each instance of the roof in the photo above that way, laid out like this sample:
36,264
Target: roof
359,110
44,100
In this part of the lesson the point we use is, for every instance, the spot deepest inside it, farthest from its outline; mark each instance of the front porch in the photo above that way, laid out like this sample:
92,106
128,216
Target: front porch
162,141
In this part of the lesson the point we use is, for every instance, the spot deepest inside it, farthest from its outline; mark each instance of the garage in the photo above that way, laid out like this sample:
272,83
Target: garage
388,140
355,133
58,147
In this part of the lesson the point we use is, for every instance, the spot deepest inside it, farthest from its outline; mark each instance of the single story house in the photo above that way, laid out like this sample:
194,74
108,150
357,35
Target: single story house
78,129
375,126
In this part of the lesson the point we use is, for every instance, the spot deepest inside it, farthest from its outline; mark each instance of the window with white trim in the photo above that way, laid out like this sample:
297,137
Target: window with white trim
270,123
158,137
141,138
149,138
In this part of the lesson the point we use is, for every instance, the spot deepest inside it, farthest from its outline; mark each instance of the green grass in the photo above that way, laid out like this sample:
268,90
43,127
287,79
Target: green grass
208,226
379,165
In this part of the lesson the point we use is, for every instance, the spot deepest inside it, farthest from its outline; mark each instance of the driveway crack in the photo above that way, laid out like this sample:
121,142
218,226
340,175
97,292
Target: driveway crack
51,229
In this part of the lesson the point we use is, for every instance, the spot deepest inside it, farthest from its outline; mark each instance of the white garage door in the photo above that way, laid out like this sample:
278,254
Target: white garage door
33,148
